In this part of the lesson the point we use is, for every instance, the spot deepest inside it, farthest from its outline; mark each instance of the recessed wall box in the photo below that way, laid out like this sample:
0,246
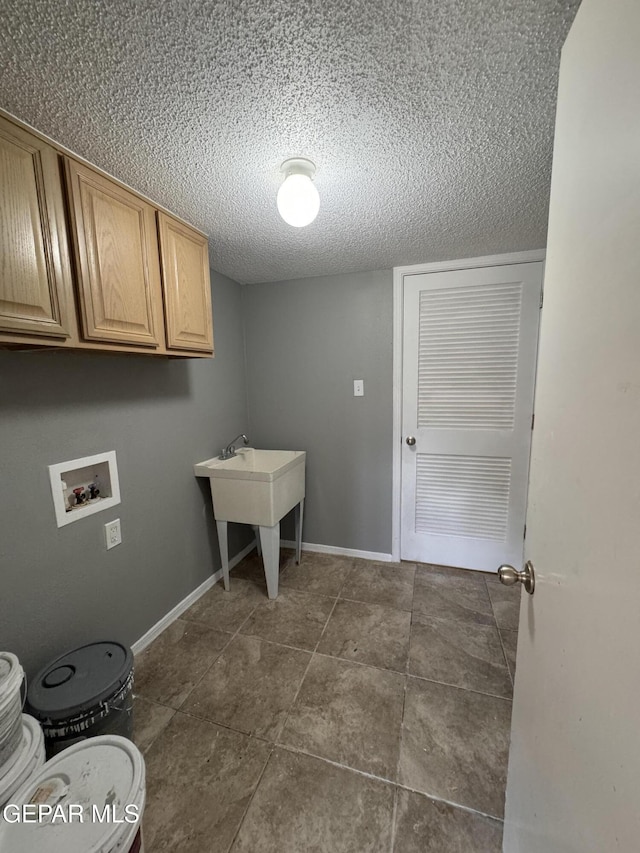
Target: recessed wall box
84,486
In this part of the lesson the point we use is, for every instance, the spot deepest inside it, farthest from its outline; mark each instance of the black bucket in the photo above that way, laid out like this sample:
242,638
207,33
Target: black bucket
84,693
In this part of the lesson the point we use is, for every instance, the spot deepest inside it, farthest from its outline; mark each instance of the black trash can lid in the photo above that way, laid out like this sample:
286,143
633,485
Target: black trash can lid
79,680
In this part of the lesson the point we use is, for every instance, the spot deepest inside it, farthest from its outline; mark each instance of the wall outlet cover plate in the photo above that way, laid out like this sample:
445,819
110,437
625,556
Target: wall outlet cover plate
113,533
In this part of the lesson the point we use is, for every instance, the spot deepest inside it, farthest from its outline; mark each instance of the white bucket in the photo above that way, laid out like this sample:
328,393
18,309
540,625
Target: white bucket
104,771
11,675
29,758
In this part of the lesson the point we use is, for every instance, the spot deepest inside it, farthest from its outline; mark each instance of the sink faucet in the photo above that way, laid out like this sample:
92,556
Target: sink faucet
230,450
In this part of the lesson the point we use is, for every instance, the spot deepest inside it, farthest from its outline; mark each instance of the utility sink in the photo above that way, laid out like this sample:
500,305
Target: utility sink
257,487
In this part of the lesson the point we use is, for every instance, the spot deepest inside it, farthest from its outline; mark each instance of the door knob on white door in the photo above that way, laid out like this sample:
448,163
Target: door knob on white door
510,576
410,440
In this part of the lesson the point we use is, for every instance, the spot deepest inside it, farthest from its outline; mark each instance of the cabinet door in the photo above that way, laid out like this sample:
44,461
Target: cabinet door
35,285
187,288
117,260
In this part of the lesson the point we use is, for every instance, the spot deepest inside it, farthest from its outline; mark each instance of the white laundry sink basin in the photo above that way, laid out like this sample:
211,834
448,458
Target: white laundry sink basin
255,486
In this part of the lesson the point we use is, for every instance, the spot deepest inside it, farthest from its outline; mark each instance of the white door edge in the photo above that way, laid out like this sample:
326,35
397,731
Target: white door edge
399,273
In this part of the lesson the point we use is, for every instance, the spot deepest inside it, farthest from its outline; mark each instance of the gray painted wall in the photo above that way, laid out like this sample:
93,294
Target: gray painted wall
60,587
306,341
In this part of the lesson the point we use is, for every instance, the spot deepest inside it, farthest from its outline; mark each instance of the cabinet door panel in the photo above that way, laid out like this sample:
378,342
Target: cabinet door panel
33,281
186,285
117,260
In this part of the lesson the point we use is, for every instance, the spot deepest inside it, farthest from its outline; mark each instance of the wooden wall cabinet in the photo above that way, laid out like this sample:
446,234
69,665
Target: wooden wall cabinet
141,276
184,257
35,278
116,251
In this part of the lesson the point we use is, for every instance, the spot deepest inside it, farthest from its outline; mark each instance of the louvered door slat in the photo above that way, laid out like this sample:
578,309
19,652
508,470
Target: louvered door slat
462,495
461,382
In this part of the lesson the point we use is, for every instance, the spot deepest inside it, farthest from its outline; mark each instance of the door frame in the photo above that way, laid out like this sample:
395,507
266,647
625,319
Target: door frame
398,344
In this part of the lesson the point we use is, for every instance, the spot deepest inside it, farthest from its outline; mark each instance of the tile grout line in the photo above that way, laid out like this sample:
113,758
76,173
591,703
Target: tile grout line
376,604
197,683
275,742
394,814
382,779
164,705
304,675
458,687
400,741
218,656
152,701
396,790
161,730
274,643
298,750
504,653
493,611
361,663
242,819
452,620
406,681
346,577
226,726
222,649
285,586
452,803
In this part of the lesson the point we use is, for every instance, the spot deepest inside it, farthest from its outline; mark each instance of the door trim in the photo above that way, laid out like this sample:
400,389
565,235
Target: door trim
399,273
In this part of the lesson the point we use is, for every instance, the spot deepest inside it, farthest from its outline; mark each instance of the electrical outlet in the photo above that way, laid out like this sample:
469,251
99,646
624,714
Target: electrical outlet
112,533
358,387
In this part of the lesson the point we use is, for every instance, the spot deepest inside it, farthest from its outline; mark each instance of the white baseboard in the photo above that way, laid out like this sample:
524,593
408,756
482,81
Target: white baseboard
378,556
186,603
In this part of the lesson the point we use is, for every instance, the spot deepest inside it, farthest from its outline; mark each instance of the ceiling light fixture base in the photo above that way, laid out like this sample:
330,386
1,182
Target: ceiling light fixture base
298,166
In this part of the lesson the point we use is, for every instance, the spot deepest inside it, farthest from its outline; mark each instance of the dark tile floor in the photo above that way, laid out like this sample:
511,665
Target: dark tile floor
366,709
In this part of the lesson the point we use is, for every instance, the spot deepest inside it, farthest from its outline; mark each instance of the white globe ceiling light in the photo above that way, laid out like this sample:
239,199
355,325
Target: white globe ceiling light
298,200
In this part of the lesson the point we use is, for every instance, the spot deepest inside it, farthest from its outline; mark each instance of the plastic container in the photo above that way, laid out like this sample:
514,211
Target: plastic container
104,773
84,693
11,676
29,758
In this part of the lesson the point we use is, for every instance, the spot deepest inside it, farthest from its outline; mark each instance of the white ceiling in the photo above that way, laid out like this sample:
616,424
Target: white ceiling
430,121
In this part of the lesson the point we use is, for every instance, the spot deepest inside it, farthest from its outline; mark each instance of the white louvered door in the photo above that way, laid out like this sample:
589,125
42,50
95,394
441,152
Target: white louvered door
469,353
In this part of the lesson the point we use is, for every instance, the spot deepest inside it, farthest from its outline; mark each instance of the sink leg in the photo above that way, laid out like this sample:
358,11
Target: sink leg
270,541
224,551
299,515
256,530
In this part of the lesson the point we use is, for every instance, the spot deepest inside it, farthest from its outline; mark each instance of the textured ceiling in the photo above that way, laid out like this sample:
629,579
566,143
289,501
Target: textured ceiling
430,121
